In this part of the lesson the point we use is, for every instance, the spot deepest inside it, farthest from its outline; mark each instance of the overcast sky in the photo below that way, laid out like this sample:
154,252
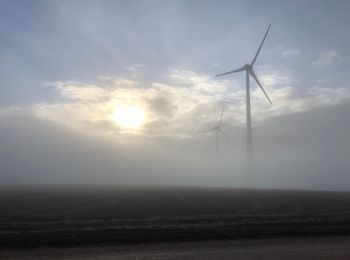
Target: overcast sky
68,66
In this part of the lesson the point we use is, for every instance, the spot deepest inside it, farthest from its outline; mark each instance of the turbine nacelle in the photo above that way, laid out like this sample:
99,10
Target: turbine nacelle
249,68
218,130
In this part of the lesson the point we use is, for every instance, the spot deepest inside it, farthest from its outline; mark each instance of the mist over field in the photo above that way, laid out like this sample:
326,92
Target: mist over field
290,153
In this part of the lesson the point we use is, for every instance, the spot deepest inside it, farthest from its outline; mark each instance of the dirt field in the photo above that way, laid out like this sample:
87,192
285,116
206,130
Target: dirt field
277,248
57,217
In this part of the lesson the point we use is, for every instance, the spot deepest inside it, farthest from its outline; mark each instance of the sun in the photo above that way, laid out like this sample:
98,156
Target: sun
129,116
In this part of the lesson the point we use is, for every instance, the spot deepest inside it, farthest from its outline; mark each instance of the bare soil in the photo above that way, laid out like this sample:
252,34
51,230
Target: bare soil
68,217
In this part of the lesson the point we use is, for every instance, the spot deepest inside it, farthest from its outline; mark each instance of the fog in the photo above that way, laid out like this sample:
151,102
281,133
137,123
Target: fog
298,151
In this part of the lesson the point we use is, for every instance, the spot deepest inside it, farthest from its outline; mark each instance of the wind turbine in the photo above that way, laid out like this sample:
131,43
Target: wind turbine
218,130
248,68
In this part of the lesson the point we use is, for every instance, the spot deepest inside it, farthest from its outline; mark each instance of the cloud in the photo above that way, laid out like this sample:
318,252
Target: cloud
184,104
327,59
171,103
289,53
286,52
273,77
288,100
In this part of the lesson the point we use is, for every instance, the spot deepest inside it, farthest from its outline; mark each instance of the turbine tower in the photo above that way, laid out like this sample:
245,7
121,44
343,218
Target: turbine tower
248,68
218,130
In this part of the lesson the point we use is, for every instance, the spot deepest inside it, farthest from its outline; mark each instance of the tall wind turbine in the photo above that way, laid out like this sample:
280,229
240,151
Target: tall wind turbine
248,68
218,130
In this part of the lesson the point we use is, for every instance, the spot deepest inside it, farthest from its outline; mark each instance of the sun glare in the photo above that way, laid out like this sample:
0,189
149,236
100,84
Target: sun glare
129,116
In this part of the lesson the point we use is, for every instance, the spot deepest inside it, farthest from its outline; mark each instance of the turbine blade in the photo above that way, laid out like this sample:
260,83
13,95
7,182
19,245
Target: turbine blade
233,71
222,112
223,133
251,72
261,44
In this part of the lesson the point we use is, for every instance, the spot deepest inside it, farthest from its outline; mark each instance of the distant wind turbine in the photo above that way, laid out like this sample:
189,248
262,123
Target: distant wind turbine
218,130
248,68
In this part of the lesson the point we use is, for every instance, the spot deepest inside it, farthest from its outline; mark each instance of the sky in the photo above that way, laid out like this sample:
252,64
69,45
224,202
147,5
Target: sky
123,92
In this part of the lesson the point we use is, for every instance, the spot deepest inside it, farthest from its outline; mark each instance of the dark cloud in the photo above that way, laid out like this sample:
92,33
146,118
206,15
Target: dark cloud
162,106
